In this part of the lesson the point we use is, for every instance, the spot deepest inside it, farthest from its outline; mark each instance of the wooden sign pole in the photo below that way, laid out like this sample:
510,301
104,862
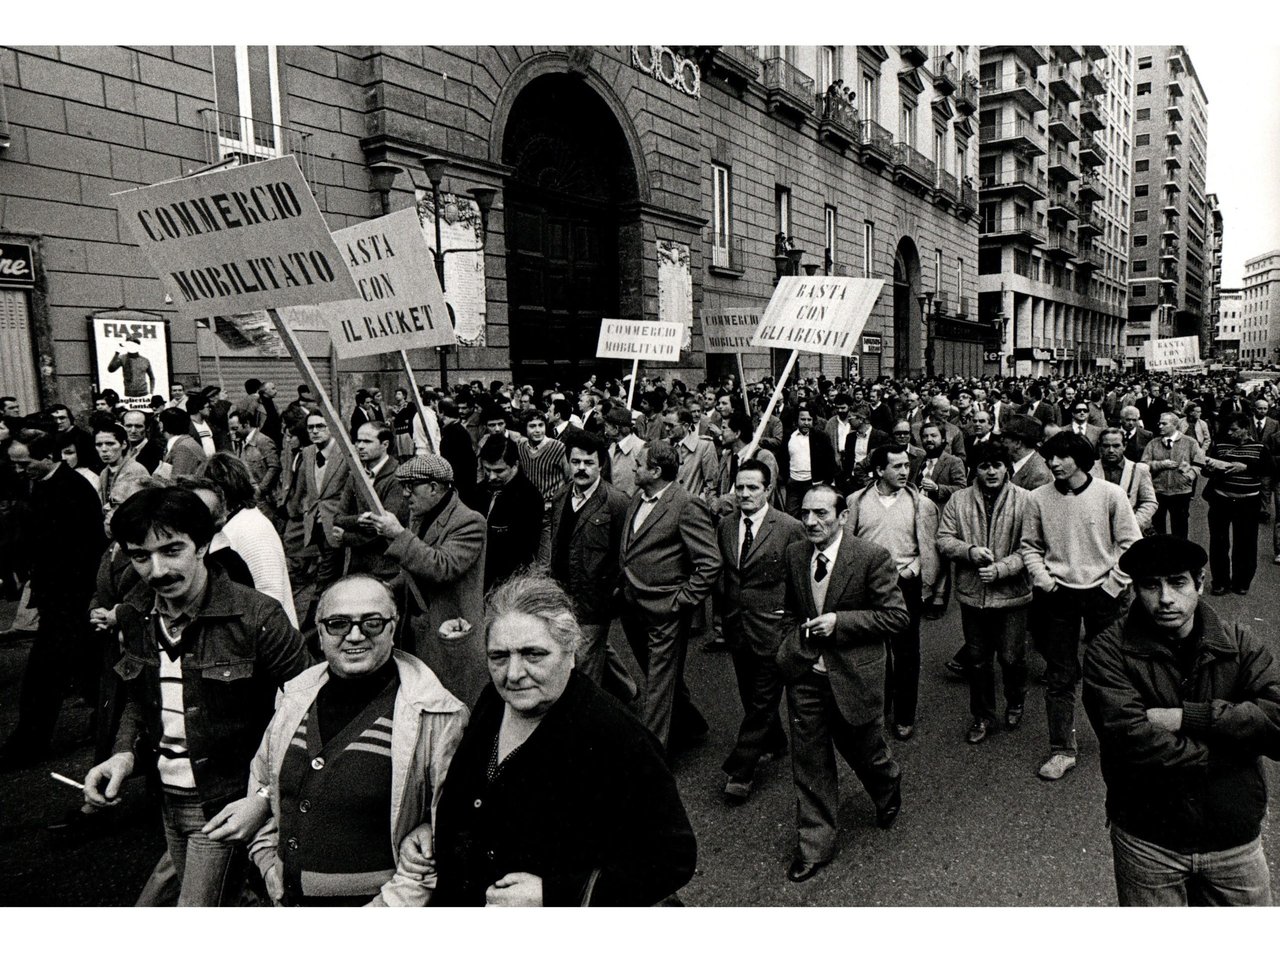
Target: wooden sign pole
742,381
773,403
364,484
635,374
417,399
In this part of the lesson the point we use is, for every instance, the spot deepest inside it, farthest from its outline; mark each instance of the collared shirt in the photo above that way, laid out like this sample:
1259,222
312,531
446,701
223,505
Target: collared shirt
819,587
842,432
1017,464
1064,488
647,503
801,462
860,445
328,451
1169,441
579,500
756,520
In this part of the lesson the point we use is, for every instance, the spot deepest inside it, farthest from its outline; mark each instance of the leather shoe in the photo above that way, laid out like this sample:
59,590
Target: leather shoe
1013,717
885,817
1217,590
736,793
955,668
903,732
801,870
1240,590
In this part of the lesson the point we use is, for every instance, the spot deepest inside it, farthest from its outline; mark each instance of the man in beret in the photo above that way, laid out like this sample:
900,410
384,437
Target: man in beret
1185,705
441,558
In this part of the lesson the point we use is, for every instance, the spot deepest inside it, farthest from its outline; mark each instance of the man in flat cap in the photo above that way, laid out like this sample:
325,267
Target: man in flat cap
1185,705
441,559
624,449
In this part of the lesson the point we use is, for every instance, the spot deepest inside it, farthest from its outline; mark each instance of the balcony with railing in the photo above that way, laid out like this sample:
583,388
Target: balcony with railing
1088,224
1092,114
1173,135
727,257
1063,206
1061,246
967,94
788,89
741,62
877,142
1032,55
945,78
914,56
1021,134
1065,52
1173,111
1089,258
1172,186
837,119
1171,249
968,198
1061,167
1092,152
227,135
1091,80
912,167
1023,183
1022,87
1062,125
1173,161
1012,226
1091,188
1063,83
946,190
1095,51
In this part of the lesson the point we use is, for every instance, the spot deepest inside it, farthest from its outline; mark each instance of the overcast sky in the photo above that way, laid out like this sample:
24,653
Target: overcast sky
1243,86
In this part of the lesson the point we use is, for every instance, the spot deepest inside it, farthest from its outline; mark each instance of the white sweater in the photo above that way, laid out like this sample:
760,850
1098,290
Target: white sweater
255,539
1075,540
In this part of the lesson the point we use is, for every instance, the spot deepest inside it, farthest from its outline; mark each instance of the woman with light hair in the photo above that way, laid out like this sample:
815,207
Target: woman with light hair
557,794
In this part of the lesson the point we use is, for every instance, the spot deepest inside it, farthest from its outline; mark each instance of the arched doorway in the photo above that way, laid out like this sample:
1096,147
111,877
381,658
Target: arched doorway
906,310
573,169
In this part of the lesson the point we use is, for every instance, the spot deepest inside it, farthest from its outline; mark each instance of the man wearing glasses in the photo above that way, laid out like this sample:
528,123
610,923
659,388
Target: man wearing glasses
441,556
351,765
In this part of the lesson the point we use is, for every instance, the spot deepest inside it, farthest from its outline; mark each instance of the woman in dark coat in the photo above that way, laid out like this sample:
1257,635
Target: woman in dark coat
557,795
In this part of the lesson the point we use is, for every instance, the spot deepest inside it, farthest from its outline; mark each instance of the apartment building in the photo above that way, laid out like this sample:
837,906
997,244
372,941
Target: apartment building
1053,217
1228,331
575,183
1260,310
1171,260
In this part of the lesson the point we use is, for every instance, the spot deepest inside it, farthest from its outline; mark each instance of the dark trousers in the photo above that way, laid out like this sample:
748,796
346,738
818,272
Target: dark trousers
1233,541
760,689
902,661
1057,638
660,646
1178,507
1001,634
818,731
796,489
62,656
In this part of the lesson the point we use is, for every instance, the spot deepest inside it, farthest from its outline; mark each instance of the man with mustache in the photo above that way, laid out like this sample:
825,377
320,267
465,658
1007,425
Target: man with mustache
203,659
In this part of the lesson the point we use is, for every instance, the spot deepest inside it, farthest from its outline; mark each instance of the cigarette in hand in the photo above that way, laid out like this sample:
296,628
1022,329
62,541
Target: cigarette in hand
66,781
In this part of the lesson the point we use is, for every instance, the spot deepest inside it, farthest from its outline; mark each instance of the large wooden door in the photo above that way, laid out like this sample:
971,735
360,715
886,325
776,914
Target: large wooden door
562,283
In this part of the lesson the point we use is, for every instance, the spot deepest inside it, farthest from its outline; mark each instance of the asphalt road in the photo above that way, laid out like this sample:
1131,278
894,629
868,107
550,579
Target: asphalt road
977,826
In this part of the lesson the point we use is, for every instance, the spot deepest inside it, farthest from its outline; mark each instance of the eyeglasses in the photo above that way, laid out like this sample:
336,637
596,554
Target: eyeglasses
316,427
339,626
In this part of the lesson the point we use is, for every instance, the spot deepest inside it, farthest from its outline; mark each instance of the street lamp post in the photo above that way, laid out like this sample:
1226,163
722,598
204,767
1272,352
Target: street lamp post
926,310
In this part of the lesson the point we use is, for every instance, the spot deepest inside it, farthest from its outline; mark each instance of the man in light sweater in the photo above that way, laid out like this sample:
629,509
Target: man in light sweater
1075,530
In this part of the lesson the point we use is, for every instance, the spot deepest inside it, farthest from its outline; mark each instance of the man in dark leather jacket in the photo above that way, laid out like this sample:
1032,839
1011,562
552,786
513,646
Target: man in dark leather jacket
1185,706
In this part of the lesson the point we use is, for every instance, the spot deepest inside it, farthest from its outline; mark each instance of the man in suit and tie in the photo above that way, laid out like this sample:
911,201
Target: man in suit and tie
839,427
317,497
1001,410
183,454
912,412
1021,437
1080,422
145,451
1135,437
367,548
624,449
669,564
859,443
939,412
1037,407
1265,427
588,521
364,411
981,434
843,605
1150,406
938,474
811,459
752,590
260,457
699,462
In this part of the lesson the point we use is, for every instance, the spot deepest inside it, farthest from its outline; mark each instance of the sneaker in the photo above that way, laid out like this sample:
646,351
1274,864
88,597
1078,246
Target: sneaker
1058,765
1013,717
977,732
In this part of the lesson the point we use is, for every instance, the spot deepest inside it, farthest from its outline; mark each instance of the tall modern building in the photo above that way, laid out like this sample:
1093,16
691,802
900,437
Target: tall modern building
1171,260
1227,336
1260,310
1053,203
1214,210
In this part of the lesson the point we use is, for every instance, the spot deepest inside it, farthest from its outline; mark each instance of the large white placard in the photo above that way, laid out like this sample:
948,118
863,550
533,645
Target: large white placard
1166,354
237,240
822,315
639,340
400,305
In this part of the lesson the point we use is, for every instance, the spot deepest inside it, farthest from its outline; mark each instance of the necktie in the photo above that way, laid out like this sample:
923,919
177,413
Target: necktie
319,458
748,538
1168,442
820,573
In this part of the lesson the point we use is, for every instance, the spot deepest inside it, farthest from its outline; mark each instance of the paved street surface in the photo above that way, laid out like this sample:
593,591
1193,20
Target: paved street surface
977,827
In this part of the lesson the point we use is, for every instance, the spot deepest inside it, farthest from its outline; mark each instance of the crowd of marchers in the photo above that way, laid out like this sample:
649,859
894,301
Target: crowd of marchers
337,700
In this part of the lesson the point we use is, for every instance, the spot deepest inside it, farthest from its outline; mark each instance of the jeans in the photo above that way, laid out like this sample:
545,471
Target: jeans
902,661
1000,633
211,873
1178,507
1148,875
1233,541
1057,638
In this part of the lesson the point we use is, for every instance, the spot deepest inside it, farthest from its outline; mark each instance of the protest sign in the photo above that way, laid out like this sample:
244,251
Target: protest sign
822,315
639,340
730,330
1166,354
238,240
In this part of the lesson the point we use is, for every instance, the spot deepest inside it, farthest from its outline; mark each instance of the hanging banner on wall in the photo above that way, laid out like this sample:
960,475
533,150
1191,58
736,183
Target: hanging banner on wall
675,288
400,305
241,239
822,315
1166,354
462,235
131,356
